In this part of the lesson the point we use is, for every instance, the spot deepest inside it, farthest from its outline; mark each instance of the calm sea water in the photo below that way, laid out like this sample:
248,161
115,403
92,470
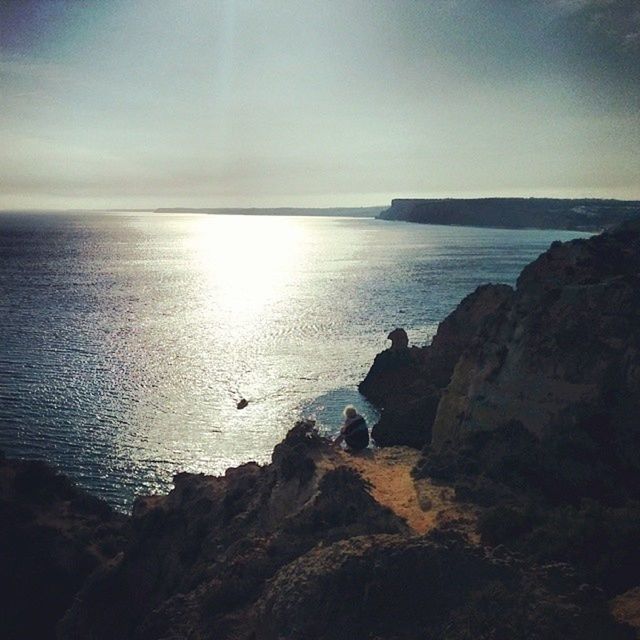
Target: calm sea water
127,339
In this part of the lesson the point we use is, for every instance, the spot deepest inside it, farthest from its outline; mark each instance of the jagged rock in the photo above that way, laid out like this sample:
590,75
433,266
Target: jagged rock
406,383
567,347
52,537
540,424
200,557
299,548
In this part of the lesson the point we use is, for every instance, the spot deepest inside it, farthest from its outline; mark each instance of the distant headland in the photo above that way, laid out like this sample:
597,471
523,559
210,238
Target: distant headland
515,213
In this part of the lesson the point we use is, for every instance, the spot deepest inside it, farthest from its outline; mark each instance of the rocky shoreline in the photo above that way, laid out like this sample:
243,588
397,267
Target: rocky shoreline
506,506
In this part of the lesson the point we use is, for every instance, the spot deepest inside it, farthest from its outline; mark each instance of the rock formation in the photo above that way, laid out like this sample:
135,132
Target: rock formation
565,345
538,398
299,549
431,587
199,558
566,349
539,424
406,383
399,339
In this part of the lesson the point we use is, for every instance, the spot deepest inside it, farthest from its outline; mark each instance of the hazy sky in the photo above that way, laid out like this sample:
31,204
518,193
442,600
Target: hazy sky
266,103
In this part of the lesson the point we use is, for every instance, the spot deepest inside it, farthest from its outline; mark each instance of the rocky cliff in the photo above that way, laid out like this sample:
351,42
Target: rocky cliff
562,347
406,383
298,549
566,349
534,398
52,537
515,213
539,424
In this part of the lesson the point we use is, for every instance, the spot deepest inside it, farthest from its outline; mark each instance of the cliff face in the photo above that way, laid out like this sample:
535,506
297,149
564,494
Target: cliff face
407,383
200,557
567,348
540,422
538,416
515,213
563,347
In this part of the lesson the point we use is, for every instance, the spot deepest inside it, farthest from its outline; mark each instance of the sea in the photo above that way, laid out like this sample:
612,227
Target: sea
127,339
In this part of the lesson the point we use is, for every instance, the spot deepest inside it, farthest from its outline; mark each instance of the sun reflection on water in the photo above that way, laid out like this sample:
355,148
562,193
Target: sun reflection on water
238,278
246,275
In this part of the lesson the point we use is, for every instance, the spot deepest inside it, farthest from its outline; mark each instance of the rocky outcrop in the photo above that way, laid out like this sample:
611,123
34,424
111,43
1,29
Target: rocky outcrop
537,426
540,424
566,349
300,549
408,402
52,537
435,587
406,383
200,558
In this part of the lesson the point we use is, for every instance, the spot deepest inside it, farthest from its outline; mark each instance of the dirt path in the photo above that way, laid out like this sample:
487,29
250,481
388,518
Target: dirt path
422,504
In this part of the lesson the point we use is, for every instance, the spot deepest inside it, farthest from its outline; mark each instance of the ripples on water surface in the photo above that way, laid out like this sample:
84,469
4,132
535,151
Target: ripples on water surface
126,339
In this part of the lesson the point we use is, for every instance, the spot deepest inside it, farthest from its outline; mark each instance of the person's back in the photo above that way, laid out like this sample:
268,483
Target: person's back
355,430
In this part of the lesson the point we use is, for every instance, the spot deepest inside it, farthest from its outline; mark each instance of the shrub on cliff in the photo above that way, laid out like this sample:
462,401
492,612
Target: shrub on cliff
569,496
591,459
601,541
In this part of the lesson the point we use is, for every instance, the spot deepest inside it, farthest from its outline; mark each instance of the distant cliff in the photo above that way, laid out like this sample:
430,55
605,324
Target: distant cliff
515,213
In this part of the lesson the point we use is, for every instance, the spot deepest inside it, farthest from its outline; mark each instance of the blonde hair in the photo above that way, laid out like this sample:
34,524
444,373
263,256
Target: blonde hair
349,411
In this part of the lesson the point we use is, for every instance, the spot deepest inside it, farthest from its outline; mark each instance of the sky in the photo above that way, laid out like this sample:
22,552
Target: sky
205,103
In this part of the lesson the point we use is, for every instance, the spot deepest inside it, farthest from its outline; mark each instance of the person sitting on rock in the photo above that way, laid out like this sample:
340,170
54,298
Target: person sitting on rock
354,431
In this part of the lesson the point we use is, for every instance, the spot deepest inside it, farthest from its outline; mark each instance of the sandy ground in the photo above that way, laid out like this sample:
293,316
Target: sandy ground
626,608
422,504
425,506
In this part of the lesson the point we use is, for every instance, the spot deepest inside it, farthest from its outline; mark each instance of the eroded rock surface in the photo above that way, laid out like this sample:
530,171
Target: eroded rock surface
538,429
200,557
567,348
435,587
406,383
301,549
